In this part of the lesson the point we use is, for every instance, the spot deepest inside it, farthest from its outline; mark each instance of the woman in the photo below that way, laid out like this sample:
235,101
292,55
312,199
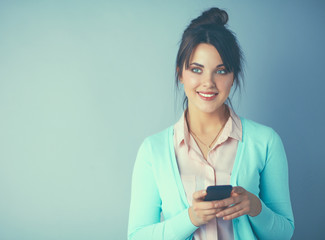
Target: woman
210,145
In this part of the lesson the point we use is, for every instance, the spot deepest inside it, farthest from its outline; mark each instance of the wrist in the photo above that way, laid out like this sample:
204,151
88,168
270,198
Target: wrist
192,218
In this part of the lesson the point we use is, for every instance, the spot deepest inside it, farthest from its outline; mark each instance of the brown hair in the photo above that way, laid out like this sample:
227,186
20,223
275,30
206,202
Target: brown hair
210,28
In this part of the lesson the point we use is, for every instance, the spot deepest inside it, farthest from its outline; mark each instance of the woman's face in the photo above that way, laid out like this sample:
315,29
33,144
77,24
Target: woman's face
206,82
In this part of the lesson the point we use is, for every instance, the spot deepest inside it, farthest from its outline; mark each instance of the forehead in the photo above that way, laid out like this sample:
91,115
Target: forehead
206,54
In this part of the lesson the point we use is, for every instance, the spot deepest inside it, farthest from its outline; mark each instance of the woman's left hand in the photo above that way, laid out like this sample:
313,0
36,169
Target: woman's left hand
241,202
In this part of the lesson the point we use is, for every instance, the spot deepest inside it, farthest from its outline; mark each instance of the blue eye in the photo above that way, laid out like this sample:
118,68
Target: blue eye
196,70
222,71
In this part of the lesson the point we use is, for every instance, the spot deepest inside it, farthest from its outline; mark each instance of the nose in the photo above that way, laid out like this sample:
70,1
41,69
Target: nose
207,80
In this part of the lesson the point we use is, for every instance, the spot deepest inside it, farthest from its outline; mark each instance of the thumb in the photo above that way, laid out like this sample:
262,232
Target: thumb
238,190
199,195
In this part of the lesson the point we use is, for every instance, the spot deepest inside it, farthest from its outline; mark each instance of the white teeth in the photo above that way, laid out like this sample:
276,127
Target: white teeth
207,95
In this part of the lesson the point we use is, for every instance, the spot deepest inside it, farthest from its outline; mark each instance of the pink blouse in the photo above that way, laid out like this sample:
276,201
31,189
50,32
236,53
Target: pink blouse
198,173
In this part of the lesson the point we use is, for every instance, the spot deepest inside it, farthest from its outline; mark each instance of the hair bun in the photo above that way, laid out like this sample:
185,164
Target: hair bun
214,16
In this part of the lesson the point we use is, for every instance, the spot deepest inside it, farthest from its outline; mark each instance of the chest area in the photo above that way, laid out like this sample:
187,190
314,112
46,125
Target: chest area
199,169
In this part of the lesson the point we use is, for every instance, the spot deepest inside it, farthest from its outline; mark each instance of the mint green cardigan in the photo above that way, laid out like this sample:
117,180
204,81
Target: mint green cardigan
260,167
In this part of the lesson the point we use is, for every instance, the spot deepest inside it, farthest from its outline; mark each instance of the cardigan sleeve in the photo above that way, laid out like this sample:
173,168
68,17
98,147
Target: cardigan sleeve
275,220
145,207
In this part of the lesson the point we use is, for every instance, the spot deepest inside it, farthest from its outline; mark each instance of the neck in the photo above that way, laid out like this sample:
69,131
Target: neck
204,123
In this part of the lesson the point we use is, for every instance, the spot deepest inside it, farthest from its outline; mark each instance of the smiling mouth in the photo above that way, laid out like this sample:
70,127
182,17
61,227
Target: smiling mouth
207,94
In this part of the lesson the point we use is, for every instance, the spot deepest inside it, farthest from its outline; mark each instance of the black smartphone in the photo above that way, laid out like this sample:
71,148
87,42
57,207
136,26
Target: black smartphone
218,192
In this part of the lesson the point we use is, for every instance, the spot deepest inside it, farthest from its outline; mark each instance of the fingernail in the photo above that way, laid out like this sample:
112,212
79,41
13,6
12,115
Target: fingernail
218,215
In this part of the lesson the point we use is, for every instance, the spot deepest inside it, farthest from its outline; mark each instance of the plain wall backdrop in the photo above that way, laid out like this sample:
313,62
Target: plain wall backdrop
82,83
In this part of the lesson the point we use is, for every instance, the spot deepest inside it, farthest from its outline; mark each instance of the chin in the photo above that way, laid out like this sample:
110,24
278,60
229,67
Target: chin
211,108
208,110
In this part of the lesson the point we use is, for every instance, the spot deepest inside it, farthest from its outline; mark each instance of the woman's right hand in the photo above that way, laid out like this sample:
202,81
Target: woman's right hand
201,212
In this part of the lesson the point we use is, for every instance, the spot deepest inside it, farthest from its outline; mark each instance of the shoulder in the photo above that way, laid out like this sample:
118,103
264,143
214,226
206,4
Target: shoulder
262,141
157,142
254,131
159,137
155,149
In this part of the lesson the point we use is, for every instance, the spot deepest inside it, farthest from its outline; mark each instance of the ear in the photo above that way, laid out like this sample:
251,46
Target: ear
181,80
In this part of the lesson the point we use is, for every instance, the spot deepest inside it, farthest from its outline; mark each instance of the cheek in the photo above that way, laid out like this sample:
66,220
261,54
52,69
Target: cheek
224,84
190,81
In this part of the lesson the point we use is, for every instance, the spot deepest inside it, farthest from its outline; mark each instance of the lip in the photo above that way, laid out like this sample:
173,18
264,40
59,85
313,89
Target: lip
206,92
207,98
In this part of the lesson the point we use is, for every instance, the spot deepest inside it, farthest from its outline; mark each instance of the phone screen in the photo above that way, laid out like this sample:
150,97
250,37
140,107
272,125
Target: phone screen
218,192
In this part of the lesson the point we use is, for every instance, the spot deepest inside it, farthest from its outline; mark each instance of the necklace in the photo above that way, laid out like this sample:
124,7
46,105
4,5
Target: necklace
210,145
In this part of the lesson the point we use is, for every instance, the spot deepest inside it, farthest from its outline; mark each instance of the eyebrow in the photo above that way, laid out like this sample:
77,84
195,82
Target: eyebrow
202,66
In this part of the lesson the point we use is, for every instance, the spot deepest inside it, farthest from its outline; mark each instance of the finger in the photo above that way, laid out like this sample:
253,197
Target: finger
242,207
199,195
228,201
230,210
234,215
203,206
210,212
220,210
238,190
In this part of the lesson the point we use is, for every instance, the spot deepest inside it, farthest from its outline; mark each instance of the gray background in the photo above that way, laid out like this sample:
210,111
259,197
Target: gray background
82,83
